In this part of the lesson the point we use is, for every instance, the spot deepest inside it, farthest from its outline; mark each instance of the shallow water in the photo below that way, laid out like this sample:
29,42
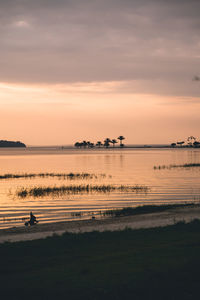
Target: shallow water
121,166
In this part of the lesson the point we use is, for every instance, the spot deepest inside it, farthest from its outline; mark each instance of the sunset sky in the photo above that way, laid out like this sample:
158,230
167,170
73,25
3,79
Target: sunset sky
90,69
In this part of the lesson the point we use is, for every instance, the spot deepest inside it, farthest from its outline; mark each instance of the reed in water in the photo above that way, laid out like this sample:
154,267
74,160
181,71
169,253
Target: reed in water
176,166
75,189
59,175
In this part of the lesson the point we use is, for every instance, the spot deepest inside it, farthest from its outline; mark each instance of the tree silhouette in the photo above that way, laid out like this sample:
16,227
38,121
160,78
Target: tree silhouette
7,144
77,145
196,144
85,144
173,145
99,144
180,143
121,138
113,142
191,139
107,142
91,145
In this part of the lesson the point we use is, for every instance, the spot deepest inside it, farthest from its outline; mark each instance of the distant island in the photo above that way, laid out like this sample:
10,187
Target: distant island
99,144
190,142
8,144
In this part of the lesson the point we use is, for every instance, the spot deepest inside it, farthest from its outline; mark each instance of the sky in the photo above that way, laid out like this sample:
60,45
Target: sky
73,70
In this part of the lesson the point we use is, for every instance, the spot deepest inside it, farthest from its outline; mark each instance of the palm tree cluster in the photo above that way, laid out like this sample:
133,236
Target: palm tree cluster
190,142
106,143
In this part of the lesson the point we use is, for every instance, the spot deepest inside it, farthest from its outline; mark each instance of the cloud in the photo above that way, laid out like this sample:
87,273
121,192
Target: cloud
196,78
67,41
21,23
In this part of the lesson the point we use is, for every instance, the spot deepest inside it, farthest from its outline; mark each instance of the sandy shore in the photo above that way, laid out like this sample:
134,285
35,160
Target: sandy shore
39,231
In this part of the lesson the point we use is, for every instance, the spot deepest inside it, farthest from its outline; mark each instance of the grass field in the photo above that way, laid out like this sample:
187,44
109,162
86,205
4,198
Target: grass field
159,263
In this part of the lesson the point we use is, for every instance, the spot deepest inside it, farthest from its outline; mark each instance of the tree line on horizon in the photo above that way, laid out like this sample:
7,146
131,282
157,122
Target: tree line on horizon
11,144
106,143
190,142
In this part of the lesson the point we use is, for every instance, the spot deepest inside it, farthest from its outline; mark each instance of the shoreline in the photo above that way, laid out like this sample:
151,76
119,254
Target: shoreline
150,220
71,147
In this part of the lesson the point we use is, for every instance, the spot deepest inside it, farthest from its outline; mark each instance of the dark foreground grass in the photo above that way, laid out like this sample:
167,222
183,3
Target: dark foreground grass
146,209
160,263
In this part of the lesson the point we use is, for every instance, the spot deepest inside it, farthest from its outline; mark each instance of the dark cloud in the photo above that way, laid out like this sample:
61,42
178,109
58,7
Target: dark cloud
196,78
86,40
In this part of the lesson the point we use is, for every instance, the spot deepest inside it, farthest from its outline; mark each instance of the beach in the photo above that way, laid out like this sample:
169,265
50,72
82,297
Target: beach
150,220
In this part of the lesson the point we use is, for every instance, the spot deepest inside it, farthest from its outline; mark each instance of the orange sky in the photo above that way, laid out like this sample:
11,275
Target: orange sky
64,114
82,69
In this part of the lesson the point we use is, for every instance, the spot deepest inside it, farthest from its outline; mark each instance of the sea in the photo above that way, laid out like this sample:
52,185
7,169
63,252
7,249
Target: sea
133,166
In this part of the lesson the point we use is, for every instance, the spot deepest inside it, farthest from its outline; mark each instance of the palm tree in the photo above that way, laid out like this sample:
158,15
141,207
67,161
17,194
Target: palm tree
77,144
99,144
196,144
191,139
107,142
84,144
173,145
121,138
91,145
180,143
88,144
113,142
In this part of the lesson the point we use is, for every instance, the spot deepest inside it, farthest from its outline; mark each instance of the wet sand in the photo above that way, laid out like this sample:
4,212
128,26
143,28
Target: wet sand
39,231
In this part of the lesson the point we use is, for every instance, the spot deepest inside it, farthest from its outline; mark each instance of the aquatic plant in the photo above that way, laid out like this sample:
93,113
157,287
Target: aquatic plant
194,165
75,189
76,214
59,175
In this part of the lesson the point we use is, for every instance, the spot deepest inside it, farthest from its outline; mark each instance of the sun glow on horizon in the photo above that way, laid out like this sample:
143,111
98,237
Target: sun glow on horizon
63,113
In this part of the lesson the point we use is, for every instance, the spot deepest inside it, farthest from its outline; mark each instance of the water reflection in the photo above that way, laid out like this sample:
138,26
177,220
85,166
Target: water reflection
128,167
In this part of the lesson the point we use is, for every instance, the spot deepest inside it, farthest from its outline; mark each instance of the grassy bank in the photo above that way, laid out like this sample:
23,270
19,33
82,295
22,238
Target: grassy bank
160,263
145,209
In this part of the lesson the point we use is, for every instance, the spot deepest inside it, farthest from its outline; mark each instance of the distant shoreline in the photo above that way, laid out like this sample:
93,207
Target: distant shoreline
70,147
11,144
116,147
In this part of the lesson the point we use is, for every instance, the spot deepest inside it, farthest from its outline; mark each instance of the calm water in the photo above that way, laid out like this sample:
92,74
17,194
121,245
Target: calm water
121,166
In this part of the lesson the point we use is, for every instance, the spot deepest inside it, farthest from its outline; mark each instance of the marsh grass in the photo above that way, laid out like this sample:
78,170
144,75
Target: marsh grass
59,175
176,166
76,189
77,214
145,209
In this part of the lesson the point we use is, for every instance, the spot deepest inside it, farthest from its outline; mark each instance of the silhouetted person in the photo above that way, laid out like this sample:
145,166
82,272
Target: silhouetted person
32,220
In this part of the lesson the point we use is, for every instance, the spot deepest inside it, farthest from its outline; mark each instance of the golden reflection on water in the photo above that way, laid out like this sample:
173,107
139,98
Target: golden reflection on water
126,166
